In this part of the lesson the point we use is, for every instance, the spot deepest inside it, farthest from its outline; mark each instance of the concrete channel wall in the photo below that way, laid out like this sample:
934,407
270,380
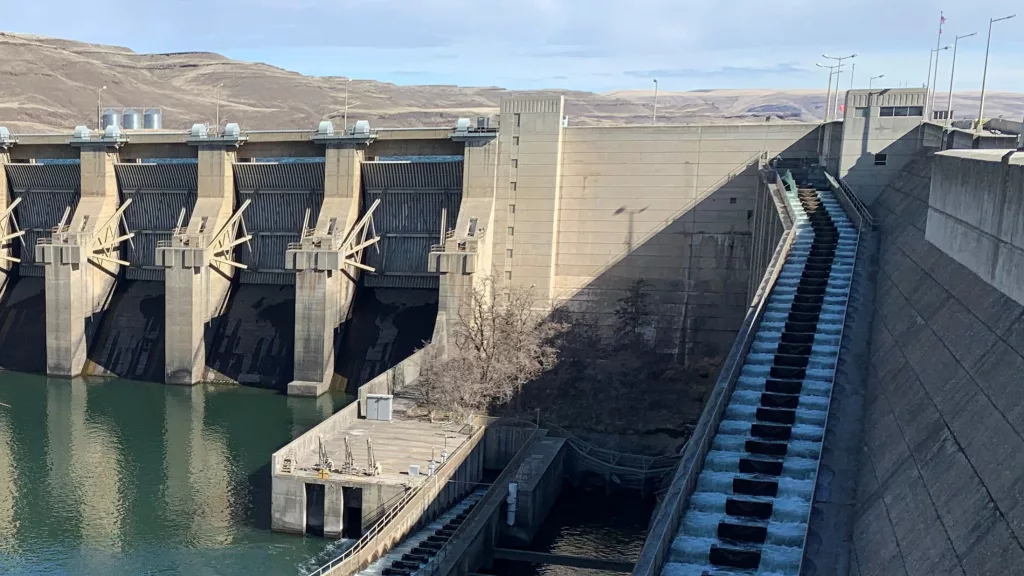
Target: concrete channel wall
942,462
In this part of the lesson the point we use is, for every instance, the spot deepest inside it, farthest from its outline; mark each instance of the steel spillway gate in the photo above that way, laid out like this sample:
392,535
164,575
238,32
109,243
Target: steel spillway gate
415,198
283,198
162,197
47,193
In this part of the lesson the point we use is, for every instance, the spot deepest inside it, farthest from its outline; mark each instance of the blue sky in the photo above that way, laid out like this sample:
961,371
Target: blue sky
578,44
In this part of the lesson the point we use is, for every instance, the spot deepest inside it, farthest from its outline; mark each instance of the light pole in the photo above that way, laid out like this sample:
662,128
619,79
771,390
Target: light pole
984,74
930,102
219,86
828,92
99,113
871,80
839,74
654,119
345,129
952,70
853,70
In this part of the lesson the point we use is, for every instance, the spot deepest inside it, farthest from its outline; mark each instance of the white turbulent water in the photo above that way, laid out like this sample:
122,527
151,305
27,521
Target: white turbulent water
787,526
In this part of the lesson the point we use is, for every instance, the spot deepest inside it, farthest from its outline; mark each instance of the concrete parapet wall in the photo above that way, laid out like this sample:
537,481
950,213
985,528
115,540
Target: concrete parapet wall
943,447
472,542
976,215
539,485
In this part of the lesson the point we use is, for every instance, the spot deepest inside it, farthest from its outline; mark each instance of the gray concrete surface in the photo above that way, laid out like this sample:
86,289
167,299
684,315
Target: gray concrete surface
942,459
976,214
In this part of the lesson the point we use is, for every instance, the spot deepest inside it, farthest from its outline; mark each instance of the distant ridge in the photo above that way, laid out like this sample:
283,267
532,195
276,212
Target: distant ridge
50,85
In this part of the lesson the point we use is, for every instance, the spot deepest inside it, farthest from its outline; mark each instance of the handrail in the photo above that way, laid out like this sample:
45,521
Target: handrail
379,526
866,222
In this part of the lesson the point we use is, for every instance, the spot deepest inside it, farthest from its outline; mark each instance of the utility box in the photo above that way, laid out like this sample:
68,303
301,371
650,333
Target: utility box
378,406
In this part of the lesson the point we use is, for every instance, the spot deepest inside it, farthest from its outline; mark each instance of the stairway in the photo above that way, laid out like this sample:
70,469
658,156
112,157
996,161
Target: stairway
750,508
419,549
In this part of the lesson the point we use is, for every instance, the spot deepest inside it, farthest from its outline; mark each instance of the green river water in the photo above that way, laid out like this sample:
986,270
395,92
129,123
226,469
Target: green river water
118,477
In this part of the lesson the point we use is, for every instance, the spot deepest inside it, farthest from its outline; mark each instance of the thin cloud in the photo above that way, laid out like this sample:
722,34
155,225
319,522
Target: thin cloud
725,71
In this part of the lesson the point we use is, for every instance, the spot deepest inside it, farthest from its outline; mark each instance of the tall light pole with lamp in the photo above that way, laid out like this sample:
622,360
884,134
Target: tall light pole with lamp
984,74
654,118
839,74
952,71
828,92
929,87
99,109
347,82
871,80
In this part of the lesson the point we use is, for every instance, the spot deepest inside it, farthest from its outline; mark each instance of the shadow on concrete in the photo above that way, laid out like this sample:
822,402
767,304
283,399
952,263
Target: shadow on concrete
23,326
647,335
386,326
253,341
129,342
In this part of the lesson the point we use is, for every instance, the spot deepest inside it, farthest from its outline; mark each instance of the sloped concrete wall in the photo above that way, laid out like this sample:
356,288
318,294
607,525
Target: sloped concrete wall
941,481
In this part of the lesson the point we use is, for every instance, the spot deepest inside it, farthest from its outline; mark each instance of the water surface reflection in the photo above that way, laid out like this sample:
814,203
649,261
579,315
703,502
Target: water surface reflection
119,477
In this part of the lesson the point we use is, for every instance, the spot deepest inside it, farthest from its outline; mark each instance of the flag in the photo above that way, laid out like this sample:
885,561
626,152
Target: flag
942,20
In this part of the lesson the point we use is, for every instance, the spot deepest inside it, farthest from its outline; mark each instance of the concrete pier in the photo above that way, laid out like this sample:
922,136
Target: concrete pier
6,248
324,283
470,248
81,264
197,286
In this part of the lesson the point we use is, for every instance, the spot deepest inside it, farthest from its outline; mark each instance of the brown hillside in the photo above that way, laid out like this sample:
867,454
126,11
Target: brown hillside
49,84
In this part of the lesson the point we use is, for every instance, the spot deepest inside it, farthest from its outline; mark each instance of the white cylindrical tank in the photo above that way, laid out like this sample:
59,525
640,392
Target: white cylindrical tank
153,119
111,118
131,120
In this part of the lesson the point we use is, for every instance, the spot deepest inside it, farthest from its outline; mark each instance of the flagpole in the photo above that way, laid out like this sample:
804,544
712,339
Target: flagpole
931,88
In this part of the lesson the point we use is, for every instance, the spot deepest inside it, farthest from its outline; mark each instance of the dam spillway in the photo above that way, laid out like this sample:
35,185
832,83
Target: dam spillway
179,263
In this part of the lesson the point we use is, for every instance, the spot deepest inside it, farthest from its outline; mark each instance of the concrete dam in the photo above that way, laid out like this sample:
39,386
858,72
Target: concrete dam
855,286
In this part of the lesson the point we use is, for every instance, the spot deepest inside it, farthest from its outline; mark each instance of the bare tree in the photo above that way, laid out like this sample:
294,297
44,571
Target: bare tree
498,343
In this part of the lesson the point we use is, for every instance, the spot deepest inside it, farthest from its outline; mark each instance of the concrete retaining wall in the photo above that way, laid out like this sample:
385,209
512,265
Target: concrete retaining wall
688,234
976,215
394,379
943,450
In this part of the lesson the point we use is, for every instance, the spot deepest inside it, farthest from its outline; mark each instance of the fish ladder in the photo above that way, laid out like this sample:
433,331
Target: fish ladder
751,506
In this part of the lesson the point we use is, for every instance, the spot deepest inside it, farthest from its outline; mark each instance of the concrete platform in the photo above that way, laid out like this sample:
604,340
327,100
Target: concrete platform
351,496
396,445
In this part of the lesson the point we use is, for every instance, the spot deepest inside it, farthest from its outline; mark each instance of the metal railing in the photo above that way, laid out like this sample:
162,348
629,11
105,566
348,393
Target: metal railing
845,193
